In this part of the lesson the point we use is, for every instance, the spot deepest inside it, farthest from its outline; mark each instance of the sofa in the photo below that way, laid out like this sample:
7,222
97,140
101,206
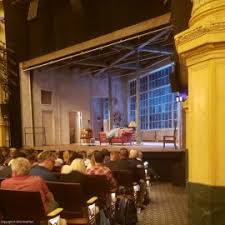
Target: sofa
124,137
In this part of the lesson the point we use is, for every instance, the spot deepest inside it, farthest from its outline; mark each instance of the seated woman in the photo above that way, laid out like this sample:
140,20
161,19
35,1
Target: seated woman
75,173
117,132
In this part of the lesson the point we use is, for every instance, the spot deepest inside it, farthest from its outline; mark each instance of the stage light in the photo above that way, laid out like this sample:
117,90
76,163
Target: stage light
179,98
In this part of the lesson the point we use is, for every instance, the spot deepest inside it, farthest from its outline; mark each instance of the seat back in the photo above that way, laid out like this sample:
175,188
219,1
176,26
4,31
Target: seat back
68,195
141,173
124,177
57,174
96,185
21,205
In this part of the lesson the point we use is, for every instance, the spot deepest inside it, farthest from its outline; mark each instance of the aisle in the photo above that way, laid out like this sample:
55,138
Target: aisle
168,206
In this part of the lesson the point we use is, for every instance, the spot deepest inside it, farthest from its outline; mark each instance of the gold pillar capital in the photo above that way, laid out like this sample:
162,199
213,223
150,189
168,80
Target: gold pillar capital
207,12
196,38
206,29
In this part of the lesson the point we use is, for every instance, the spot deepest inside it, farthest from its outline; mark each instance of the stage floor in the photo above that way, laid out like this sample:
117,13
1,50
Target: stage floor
144,147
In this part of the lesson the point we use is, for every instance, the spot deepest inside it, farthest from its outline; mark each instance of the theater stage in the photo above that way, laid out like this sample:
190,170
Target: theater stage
144,147
169,164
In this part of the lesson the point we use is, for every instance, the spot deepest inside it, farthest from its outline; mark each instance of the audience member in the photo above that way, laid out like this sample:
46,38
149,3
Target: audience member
5,153
83,154
124,163
66,157
100,169
10,156
59,159
114,156
74,173
75,155
6,172
140,174
46,162
133,155
30,155
90,161
140,155
106,154
23,182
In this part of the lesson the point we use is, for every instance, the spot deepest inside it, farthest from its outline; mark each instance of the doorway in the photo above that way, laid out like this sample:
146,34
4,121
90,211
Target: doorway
75,124
47,123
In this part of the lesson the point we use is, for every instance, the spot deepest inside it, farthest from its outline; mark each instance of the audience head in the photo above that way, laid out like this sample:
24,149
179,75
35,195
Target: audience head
66,156
47,159
12,152
99,157
124,154
78,165
133,154
66,169
75,155
114,155
18,154
140,155
5,152
83,154
106,154
20,167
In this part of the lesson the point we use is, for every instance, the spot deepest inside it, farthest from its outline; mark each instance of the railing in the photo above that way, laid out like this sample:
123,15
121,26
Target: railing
34,131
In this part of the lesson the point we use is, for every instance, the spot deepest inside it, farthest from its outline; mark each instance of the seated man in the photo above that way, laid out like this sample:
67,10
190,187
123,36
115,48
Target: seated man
21,181
114,156
124,163
140,174
46,164
100,169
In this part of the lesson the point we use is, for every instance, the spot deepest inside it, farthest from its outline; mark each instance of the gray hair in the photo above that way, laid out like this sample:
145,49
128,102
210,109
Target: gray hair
21,166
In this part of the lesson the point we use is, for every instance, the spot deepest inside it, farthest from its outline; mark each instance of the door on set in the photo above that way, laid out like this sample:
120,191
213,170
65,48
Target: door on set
47,123
74,126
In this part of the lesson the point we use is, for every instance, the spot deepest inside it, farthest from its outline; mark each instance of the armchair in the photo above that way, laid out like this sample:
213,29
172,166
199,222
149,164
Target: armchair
170,139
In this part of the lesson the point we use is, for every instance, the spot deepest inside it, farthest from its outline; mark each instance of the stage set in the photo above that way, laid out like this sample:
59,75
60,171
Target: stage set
117,80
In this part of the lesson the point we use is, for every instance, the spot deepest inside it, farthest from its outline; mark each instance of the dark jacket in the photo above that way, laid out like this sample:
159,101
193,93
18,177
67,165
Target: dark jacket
123,164
73,177
43,172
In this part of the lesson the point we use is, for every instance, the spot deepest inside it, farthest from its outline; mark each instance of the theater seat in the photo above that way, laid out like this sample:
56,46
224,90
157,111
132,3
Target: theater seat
22,206
77,209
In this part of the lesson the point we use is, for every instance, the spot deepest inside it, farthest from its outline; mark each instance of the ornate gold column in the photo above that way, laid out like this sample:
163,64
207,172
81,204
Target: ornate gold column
4,127
202,50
